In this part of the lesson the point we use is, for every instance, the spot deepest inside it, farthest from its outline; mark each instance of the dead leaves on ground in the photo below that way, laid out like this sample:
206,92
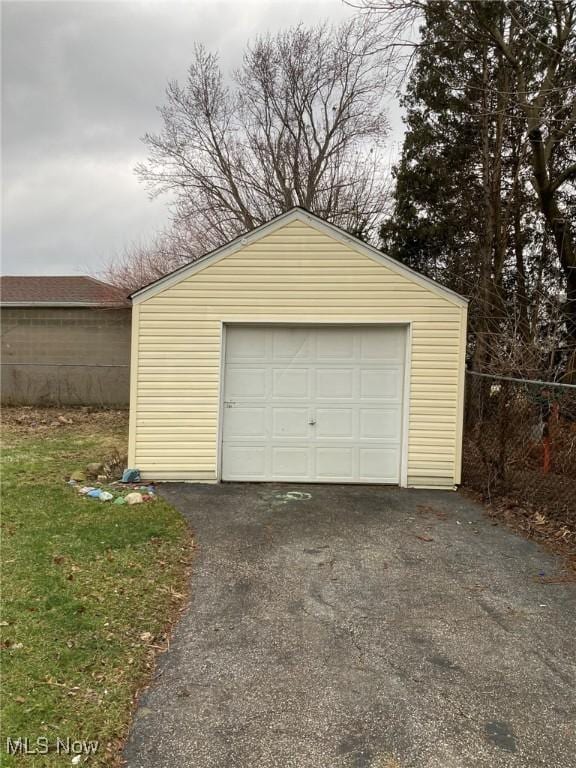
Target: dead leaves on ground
532,521
31,419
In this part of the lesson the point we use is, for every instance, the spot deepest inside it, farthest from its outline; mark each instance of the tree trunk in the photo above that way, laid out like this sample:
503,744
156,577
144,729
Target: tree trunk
521,289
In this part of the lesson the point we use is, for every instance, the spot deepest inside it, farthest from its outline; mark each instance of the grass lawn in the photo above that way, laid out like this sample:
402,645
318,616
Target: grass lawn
89,590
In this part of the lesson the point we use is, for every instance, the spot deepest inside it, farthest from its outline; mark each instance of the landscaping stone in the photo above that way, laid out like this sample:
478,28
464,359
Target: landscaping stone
134,498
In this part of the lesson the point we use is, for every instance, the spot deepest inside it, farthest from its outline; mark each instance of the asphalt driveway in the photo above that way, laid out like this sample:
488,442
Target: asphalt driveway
360,626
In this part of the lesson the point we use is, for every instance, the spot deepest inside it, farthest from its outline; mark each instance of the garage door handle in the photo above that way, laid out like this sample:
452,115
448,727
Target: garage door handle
312,422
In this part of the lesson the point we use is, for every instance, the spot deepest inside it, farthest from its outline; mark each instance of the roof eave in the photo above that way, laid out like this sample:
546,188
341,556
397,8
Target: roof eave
242,240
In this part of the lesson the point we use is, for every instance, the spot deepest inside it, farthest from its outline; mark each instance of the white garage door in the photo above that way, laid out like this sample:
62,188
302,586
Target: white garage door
313,404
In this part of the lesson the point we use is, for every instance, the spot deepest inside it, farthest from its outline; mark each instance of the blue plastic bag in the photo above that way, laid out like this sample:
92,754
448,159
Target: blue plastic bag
131,476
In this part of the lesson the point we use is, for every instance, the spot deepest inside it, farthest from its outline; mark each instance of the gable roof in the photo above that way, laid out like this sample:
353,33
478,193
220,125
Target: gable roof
295,214
69,291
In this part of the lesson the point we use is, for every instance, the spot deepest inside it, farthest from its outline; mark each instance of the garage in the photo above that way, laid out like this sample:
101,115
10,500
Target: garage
297,353
313,404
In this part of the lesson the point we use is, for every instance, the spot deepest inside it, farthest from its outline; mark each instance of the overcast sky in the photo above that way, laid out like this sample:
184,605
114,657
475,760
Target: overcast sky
80,86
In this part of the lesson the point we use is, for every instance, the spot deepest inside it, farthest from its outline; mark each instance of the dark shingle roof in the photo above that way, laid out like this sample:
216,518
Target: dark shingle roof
59,291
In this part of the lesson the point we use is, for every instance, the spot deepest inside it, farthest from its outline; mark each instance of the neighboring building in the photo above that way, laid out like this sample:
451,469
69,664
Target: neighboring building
297,353
65,340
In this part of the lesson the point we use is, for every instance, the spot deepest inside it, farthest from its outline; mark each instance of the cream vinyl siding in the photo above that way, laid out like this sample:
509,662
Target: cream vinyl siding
295,274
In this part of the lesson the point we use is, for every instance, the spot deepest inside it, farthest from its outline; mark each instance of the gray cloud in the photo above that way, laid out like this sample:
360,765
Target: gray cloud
81,82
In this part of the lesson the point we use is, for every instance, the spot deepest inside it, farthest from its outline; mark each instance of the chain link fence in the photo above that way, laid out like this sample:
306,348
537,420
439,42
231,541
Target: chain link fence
520,442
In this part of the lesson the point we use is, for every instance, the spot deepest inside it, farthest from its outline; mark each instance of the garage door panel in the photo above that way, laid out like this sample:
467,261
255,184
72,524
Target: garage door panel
332,346
250,346
244,464
381,383
290,462
335,423
334,383
380,423
374,347
245,383
291,344
291,383
242,422
378,464
321,405
290,422
335,463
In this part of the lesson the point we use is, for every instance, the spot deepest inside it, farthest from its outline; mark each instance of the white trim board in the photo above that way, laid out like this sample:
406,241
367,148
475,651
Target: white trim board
295,214
406,391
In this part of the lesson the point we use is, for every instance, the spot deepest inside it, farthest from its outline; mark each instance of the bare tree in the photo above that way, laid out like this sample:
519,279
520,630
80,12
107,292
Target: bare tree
141,263
301,122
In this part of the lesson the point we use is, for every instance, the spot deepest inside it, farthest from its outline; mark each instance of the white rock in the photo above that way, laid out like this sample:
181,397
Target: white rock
134,498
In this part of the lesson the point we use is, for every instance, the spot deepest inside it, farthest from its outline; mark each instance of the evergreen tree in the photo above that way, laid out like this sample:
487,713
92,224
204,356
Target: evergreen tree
465,211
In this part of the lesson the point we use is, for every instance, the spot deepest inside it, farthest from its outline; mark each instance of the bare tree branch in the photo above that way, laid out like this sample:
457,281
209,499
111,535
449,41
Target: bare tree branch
301,123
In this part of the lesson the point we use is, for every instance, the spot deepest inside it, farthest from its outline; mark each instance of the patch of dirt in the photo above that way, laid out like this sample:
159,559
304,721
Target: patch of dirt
31,420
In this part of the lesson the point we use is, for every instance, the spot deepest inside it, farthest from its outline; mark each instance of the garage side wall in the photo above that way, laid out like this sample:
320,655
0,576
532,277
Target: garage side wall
294,274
